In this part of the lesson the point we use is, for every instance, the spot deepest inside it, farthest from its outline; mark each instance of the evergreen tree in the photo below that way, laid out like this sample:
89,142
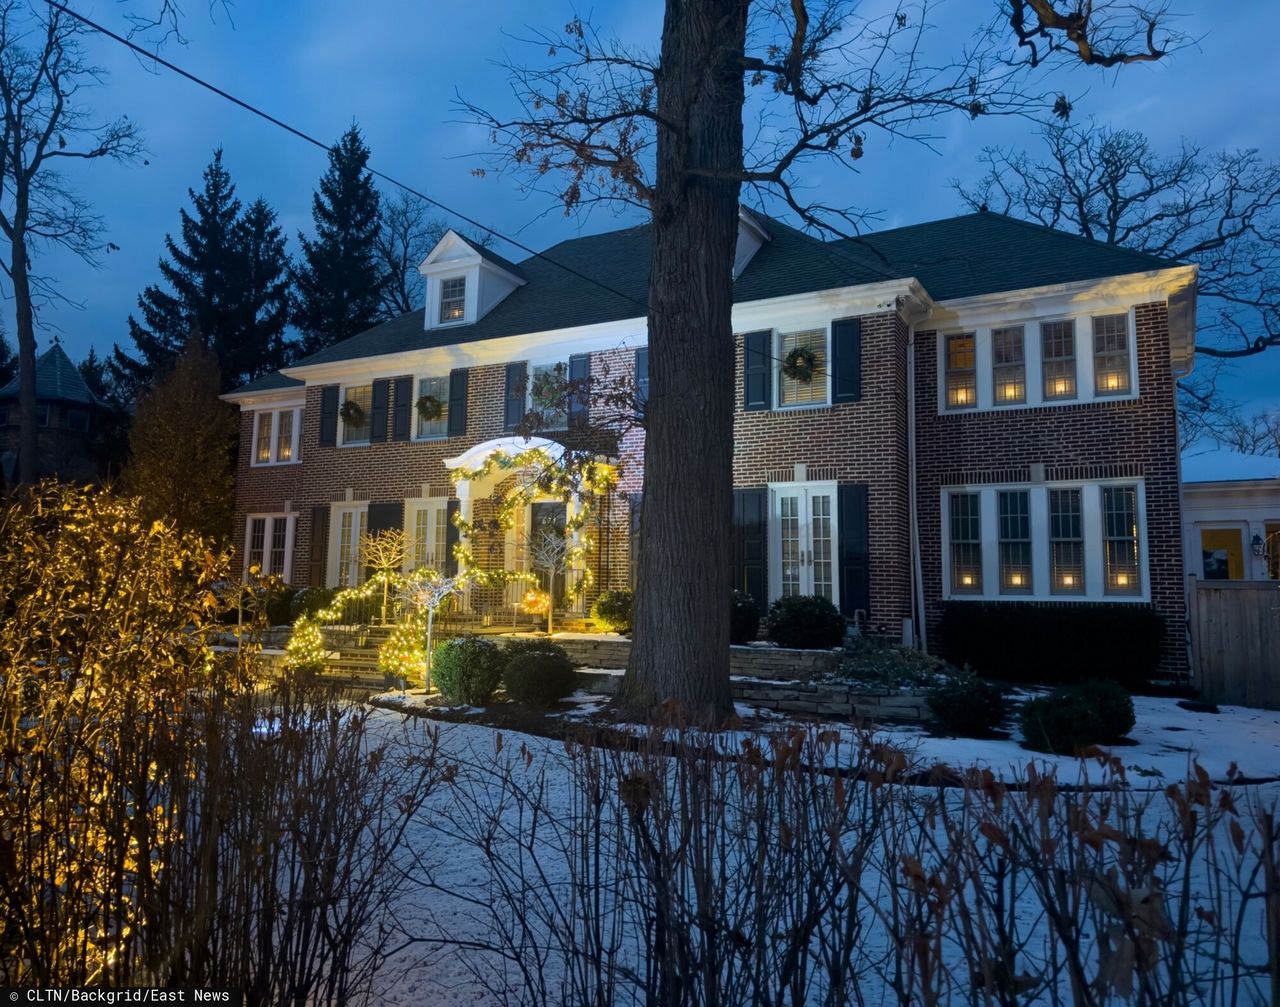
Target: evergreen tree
227,278
338,288
181,445
8,362
261,308
109,435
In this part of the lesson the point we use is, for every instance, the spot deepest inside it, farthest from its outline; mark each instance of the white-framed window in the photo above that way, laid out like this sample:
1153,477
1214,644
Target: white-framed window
277,436
268,544
547,385
962,371
426,526
453,299
791,391
438,389
362,396
347,523
1058,360
1082,540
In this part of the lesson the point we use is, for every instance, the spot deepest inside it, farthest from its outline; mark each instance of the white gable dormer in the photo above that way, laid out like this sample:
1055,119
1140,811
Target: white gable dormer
464,281
751,236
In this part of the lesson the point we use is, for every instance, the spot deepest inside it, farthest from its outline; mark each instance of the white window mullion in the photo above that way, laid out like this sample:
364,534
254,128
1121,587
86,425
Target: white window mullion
1040,577
1094,550
990,524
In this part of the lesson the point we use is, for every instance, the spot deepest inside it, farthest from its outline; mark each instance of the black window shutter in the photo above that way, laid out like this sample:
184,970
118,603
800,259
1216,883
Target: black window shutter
642,377
457,421
855,549
450,538
756,370
846,360
379,402
319,542
750,544
328,416
513,411
401,409
579,401
634,501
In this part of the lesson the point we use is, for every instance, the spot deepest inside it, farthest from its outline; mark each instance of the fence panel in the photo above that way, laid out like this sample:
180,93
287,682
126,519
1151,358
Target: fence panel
1236,633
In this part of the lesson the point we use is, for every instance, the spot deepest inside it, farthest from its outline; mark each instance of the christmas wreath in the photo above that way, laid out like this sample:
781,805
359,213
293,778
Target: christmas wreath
429,408
352,413
799,364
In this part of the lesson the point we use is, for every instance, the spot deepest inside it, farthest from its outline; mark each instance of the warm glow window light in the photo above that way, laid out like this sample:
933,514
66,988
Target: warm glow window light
1111,354
1066,542
1009,371
961,371
1058,355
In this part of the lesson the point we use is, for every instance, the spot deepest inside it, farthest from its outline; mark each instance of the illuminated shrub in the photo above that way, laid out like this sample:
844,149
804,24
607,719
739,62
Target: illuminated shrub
612,611
404,654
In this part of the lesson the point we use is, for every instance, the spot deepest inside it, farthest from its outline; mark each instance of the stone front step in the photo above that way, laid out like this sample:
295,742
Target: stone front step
607,650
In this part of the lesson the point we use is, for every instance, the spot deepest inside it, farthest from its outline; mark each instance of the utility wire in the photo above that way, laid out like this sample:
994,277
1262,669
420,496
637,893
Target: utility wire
300,134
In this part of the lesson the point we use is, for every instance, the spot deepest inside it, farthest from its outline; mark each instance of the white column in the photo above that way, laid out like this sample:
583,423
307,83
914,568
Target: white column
463,489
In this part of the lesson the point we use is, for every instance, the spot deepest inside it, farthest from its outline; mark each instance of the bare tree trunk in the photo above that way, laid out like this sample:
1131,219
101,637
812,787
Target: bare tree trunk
681,648
26,349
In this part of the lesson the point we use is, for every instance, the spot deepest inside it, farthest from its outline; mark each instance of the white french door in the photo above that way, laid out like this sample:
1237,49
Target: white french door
348,524
802,541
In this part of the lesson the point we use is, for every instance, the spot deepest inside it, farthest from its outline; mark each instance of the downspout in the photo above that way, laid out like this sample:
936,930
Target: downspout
917,569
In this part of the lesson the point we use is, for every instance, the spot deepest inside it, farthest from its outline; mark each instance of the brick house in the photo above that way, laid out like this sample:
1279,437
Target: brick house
991,416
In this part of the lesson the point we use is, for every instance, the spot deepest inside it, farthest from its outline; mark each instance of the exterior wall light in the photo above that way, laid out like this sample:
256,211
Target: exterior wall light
1259,547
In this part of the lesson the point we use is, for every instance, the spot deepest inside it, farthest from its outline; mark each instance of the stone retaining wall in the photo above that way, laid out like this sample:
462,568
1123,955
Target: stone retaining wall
608,651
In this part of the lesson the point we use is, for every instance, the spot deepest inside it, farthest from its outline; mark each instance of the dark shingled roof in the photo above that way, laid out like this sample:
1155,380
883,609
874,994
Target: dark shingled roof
57,380
979,253
268,383
494,257
988,253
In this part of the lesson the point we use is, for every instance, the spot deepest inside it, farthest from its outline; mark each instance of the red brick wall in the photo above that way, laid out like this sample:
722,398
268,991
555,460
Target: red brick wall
1108,439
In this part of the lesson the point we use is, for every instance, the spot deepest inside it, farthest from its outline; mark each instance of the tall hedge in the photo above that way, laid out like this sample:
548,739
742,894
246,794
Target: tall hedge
1025,642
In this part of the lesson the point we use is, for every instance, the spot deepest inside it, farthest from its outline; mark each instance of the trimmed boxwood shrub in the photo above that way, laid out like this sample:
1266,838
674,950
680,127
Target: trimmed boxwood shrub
539,679
279,606
1025,642
744,618
612,611
967,706
1076,716
467,670
518,646
805,621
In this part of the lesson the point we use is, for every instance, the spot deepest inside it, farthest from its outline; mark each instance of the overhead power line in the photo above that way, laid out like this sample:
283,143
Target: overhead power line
307,137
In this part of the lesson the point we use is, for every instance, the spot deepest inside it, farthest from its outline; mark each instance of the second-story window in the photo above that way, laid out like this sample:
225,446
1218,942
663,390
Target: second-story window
1111,354
1058,354
355,414
1009,367
453,299
962,374
275,440
809,346
548,394
436,393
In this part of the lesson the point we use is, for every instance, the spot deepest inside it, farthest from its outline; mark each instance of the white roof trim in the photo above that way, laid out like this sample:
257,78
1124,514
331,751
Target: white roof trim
512,445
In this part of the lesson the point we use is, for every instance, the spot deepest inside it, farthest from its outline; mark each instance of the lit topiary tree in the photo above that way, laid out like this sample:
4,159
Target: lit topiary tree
384,554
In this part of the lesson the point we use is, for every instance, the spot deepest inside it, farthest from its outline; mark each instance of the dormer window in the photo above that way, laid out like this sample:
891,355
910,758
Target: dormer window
453,299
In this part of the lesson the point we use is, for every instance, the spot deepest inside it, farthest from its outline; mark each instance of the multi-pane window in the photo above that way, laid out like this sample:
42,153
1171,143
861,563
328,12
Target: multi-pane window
355,418
961,371
548,393
1111,354
267,544
437,389
966,543
1015,541
793,391
351,526
1066,542
453,299
1120,539
275,439
1009,366
430,536
1058,359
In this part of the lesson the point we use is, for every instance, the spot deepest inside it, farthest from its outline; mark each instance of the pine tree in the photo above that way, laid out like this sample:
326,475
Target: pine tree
199,273
8,362
257,343
338,288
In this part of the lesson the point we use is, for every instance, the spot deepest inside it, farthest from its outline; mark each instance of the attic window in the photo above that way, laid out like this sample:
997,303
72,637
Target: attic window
453,299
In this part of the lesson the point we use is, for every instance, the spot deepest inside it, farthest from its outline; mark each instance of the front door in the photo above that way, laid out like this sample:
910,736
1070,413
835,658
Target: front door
802,533
349,525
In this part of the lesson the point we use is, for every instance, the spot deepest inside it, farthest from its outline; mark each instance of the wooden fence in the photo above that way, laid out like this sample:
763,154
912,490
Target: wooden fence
1235,628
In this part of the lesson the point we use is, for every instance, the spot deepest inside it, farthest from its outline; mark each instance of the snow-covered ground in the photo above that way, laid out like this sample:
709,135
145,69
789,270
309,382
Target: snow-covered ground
444,912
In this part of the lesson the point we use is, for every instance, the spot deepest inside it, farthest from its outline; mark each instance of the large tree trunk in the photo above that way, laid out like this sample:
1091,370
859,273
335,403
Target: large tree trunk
26,346
683,580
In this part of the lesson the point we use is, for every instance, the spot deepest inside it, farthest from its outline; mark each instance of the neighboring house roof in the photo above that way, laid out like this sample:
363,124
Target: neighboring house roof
57,380
604,277
1228,467
987,253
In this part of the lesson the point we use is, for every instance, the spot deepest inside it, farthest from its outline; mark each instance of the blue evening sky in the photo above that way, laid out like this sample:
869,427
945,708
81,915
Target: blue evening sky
393,66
